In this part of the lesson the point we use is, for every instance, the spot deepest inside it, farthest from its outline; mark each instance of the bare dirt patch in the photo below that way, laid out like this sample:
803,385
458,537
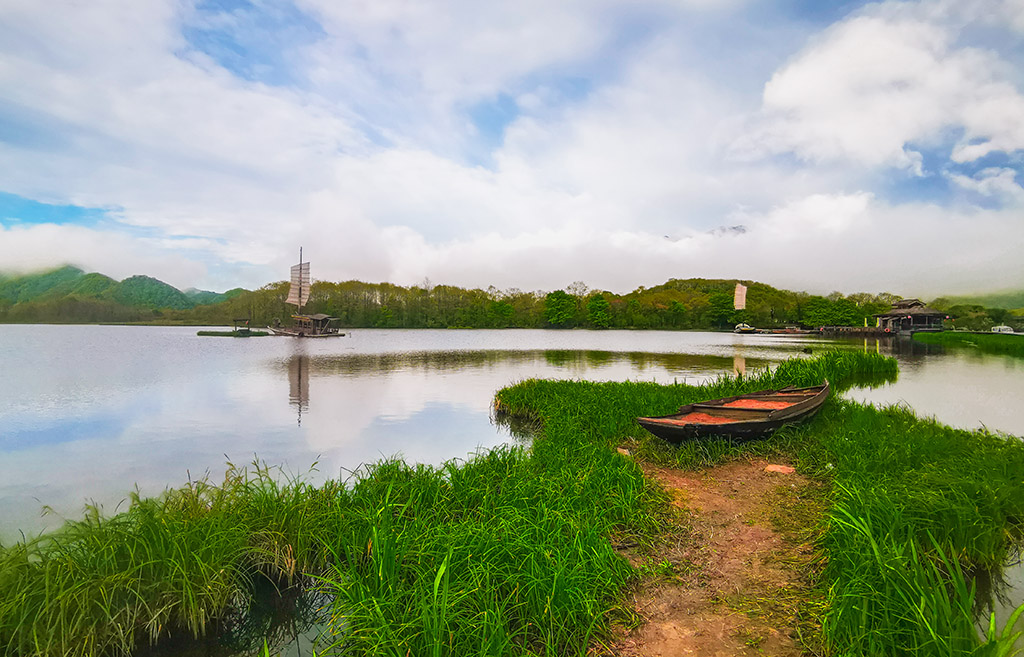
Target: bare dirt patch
733,579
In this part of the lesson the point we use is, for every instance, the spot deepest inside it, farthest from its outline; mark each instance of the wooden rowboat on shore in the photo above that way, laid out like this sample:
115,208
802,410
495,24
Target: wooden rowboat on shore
742,417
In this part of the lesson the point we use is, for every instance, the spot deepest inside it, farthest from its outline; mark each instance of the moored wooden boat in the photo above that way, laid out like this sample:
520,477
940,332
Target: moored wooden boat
743,416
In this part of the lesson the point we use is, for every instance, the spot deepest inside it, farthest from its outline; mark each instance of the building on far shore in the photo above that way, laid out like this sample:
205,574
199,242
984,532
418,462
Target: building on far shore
908,316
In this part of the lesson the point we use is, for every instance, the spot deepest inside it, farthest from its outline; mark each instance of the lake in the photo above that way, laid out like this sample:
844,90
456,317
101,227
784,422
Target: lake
90,412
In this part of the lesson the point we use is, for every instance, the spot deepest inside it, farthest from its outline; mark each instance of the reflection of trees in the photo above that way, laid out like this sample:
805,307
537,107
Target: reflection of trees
300,367
358,364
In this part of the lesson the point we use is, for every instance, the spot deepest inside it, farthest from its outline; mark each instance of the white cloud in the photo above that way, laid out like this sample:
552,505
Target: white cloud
31,247
371,164
993,182
891,77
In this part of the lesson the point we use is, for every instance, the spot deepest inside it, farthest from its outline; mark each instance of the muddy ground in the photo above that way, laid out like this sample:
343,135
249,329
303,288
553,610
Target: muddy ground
733,575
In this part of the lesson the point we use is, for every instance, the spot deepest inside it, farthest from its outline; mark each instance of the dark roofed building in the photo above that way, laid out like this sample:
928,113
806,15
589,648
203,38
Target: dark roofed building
909,315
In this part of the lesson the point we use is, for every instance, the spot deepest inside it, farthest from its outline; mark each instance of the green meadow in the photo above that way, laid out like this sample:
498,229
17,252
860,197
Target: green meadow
990,343
510,552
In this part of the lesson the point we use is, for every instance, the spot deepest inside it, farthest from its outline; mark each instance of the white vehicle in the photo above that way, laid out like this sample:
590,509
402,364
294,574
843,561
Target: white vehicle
1002,329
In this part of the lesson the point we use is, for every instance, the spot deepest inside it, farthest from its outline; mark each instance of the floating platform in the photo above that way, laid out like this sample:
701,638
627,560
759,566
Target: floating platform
239,333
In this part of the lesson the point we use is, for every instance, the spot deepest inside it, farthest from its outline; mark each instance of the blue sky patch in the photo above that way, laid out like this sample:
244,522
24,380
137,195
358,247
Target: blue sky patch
65,431
492,116
254,42
15,210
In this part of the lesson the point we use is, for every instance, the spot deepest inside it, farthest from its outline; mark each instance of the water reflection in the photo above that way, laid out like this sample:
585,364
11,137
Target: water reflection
739,365
289,620
962,388
298,384
590,361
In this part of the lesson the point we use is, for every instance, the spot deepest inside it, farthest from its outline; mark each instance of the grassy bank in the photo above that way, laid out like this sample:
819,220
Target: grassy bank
916,507
990,343
508,553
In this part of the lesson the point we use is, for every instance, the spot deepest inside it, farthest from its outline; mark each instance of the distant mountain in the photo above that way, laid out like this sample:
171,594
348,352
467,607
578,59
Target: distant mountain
150,292
203,297
20,289
91,285
1011,300
69,294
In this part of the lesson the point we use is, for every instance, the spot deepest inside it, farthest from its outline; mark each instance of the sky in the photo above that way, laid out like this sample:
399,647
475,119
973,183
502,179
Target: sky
807,144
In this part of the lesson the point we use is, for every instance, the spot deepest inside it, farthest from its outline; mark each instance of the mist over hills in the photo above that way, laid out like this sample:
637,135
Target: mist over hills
1009,300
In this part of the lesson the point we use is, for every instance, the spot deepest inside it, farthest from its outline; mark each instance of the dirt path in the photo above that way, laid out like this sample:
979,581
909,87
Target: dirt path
730,584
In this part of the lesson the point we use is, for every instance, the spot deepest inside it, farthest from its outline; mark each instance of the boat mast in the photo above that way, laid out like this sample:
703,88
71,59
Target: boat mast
299,312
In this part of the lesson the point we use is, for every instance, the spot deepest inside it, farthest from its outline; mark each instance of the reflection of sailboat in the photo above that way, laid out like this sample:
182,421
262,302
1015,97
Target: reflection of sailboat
306,326
298,383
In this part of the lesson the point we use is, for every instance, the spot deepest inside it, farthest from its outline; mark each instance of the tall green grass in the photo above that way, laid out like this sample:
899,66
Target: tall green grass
991,343
170,564
506,553
917,507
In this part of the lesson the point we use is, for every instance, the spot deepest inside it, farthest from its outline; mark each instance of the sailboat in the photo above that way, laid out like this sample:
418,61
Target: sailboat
306,326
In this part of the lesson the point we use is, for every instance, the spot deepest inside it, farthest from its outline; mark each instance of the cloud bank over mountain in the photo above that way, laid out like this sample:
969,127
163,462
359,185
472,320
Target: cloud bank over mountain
876,146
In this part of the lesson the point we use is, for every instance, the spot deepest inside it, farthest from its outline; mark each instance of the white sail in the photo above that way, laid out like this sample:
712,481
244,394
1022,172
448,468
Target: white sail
739,300
298,293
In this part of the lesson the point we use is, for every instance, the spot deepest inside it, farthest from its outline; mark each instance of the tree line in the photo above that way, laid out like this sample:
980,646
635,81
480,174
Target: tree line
67,295
677,304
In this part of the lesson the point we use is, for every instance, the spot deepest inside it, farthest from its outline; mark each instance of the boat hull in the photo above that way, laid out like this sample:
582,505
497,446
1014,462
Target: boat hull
741,417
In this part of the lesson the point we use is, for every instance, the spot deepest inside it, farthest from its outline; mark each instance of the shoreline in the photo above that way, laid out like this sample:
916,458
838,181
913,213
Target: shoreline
513,549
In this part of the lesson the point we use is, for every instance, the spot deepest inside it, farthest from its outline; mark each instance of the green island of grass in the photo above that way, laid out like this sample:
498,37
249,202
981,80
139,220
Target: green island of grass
510,551
992,343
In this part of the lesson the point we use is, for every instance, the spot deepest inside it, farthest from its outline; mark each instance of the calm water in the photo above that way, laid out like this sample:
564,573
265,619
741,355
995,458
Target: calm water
89,412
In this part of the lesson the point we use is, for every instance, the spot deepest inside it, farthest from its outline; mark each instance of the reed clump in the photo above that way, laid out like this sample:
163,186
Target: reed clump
170,564
506,553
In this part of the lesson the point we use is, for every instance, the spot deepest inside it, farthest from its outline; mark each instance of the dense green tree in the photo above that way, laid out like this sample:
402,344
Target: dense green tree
721,309
676,314
559,308
598,311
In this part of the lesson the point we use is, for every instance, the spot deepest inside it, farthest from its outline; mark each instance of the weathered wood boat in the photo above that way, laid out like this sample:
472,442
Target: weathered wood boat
742,417
305,326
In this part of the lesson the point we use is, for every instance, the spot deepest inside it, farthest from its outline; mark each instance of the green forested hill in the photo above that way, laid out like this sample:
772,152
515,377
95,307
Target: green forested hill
68,294
203,297
149,292
19,289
